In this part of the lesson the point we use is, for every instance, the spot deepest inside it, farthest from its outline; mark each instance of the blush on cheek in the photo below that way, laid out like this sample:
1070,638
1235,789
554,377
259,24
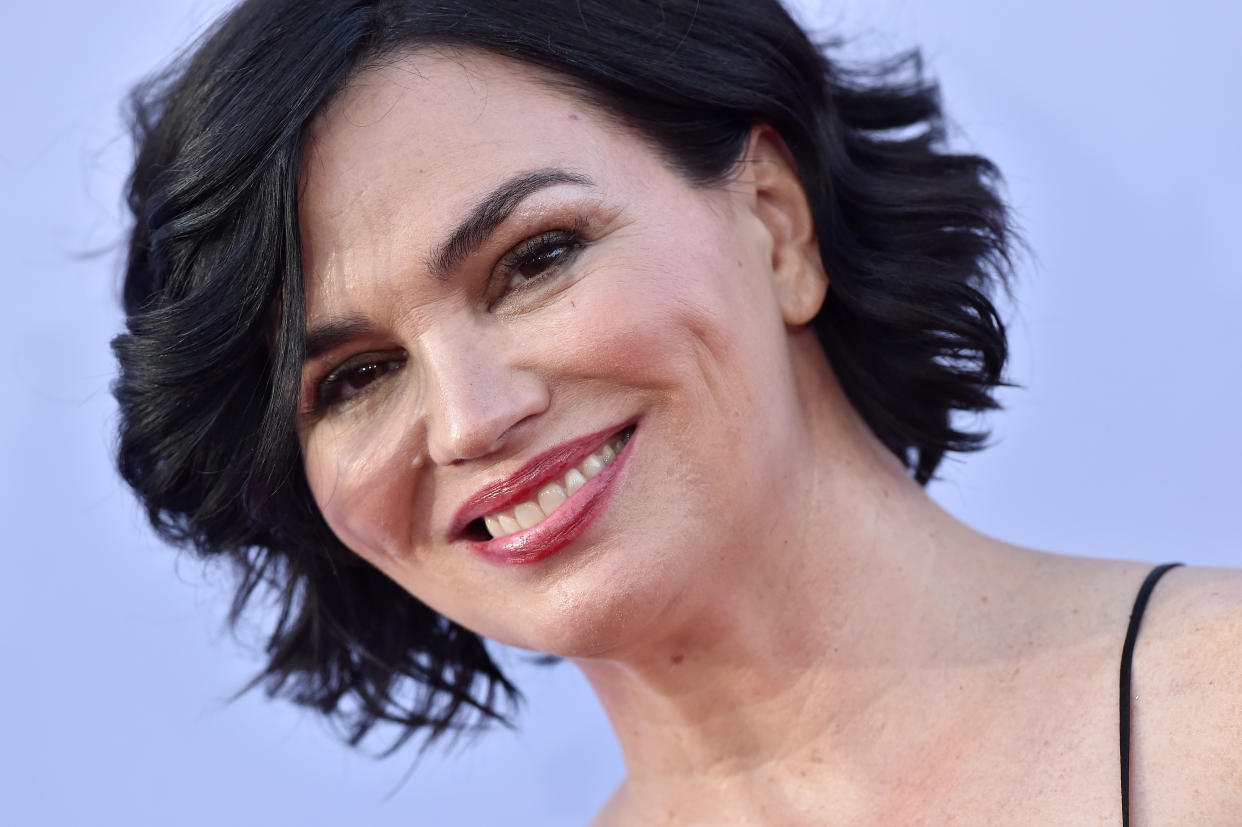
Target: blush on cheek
678,329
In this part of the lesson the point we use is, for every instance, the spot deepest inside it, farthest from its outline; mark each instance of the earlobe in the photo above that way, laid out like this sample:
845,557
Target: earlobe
780,203
803,294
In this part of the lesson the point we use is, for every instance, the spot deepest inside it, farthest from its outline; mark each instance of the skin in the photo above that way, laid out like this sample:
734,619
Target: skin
782,627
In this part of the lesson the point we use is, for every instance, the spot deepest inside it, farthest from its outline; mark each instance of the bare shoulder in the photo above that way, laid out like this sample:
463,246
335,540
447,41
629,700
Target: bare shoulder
1187,719
1194,622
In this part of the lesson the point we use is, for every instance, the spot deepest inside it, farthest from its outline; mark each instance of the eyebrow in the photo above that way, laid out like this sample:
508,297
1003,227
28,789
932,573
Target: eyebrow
491,212
486,217
330,335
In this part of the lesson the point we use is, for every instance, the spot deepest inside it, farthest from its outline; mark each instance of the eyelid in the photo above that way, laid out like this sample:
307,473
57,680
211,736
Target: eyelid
351,364
542,243
318,381
576,226
571,235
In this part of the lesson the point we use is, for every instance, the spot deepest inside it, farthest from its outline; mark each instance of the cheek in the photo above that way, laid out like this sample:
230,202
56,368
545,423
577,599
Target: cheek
681,314
363,483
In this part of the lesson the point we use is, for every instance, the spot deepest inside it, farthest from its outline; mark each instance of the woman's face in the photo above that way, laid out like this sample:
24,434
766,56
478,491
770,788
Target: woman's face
503,287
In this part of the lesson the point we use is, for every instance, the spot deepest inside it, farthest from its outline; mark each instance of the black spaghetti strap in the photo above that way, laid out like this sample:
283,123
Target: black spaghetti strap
1127,655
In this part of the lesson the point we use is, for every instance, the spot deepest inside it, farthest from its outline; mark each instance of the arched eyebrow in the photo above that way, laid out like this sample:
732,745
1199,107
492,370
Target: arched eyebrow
491,212
326,337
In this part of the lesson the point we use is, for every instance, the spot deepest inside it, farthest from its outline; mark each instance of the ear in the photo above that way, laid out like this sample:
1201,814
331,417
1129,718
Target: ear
780,204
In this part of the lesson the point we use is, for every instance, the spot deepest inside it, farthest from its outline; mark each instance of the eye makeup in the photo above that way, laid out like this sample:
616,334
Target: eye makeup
537,259
552,240
352,378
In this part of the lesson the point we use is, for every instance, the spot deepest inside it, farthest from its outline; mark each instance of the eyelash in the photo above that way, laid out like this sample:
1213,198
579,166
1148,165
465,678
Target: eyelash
329,391
533,250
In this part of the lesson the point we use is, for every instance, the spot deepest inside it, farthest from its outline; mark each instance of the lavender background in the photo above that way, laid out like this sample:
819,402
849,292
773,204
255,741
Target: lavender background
1116,124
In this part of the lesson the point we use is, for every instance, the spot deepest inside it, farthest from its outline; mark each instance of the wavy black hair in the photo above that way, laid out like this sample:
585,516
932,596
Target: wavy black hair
915,238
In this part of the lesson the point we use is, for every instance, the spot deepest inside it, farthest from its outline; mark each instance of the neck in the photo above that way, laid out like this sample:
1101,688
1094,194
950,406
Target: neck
792,647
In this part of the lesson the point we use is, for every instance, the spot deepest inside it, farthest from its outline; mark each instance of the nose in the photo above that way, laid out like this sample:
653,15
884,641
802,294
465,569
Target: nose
478,397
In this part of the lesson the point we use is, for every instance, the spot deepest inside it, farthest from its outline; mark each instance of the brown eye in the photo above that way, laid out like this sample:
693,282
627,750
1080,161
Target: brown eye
536,265
538,259
363,376
352,380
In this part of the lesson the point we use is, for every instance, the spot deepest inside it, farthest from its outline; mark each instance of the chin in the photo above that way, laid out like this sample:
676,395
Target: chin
610,603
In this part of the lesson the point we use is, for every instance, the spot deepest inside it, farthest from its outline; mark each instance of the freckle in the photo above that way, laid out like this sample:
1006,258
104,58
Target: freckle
573,117
678,658
983,599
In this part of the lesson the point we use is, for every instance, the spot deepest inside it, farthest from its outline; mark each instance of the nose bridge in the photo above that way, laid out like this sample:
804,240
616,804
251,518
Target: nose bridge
475,393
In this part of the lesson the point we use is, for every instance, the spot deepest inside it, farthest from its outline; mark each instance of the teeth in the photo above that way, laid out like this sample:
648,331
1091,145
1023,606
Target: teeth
508,525
553,494
493,525
528,514
550,497
592,465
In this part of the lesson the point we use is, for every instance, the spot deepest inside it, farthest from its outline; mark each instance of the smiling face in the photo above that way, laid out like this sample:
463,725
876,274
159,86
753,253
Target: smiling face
521,322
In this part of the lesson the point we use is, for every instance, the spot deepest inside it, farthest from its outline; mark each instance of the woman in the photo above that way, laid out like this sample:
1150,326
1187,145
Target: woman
629,333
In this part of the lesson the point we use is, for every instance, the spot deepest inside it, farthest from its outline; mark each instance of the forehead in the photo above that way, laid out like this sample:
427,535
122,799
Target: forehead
407,147
446,112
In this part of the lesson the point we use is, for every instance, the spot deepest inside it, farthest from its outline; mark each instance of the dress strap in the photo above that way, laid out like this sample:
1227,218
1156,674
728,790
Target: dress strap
1127,656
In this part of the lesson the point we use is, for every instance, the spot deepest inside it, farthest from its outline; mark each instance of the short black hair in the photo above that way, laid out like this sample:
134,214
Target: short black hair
914,238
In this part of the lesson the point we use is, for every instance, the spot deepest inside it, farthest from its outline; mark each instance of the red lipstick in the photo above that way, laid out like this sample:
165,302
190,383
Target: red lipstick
560,527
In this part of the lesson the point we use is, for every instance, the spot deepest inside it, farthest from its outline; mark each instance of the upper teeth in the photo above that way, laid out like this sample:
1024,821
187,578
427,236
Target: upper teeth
550,497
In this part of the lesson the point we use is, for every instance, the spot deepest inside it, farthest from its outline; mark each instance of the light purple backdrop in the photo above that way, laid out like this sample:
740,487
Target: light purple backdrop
1116,124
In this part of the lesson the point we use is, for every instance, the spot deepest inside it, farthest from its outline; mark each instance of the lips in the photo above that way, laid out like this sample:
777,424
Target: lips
568,519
